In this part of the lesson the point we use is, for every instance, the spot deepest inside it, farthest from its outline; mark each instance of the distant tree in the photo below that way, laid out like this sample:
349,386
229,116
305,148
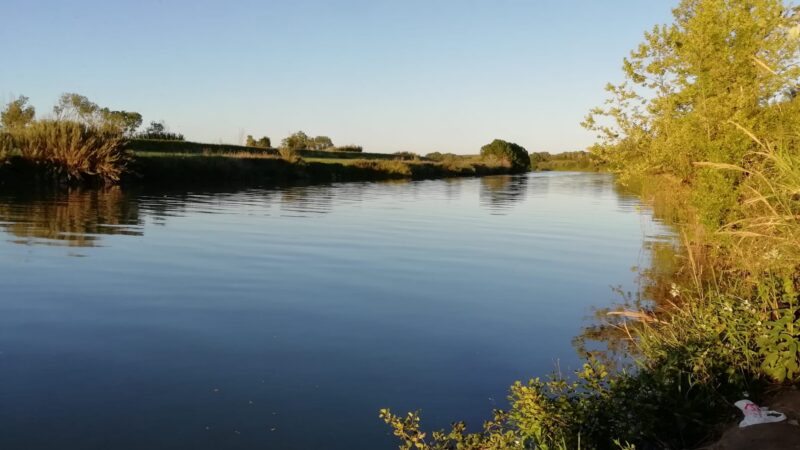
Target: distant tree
72,106
515,155
159,131
296,141
406,155
127,122
264,142
17,113
79,108
156,128
435,156
321,143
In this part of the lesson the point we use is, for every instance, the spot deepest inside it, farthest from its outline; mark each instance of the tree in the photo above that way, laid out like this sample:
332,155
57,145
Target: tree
322,143
514,155
264,142
79,108
296,141
126,121
692,87
156,128
17,113
719,65
72,106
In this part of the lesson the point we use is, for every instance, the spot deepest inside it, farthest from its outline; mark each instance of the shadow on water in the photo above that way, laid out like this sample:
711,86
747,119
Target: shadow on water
662,264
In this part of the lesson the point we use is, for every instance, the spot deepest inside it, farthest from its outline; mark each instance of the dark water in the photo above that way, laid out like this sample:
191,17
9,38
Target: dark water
284,319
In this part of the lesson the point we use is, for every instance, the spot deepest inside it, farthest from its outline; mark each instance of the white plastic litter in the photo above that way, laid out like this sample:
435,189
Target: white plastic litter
753,415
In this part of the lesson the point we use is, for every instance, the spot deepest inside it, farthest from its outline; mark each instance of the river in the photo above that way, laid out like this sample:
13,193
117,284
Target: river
286,318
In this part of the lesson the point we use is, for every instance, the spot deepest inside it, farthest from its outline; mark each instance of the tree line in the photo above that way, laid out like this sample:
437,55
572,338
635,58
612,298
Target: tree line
73,107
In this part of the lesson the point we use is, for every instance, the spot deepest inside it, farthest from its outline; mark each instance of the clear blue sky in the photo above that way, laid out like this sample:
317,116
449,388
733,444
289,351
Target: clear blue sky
416,75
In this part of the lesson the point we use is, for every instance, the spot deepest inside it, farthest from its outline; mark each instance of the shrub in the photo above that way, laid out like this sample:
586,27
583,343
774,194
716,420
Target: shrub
396,168
347,148
513,154
406,155
289,154
73,150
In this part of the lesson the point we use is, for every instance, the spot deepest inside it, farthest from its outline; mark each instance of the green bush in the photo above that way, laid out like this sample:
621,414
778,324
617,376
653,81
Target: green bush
509,153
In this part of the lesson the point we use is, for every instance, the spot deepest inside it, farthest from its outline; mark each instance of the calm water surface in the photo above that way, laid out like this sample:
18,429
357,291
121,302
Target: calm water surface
285,318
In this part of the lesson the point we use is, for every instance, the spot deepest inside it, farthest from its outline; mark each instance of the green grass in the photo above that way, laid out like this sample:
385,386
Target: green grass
247,168
76,153
567,161
184,147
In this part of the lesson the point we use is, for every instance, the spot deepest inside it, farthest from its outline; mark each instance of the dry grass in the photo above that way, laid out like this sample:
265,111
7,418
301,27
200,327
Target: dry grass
73,150
289,154
394,167
769,216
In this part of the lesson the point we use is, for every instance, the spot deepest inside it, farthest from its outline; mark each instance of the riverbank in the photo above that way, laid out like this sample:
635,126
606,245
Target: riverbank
250,169
43,160
172,164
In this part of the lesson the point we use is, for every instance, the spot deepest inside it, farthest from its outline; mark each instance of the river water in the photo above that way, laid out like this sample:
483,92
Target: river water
286,318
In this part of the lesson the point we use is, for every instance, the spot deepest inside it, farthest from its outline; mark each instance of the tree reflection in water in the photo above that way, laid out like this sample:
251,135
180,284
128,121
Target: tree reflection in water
74,218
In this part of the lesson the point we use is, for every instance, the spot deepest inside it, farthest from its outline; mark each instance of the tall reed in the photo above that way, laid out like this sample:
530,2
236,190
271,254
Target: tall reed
72,150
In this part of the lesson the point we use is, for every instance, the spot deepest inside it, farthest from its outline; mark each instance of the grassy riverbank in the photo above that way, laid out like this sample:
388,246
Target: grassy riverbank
255,169
71,153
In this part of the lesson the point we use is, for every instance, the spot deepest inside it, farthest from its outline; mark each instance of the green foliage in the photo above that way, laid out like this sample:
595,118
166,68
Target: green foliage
17,113
779,345
439,156
264,142
396,168
691,84
512,154
125,121
571,161
301,141
320,143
